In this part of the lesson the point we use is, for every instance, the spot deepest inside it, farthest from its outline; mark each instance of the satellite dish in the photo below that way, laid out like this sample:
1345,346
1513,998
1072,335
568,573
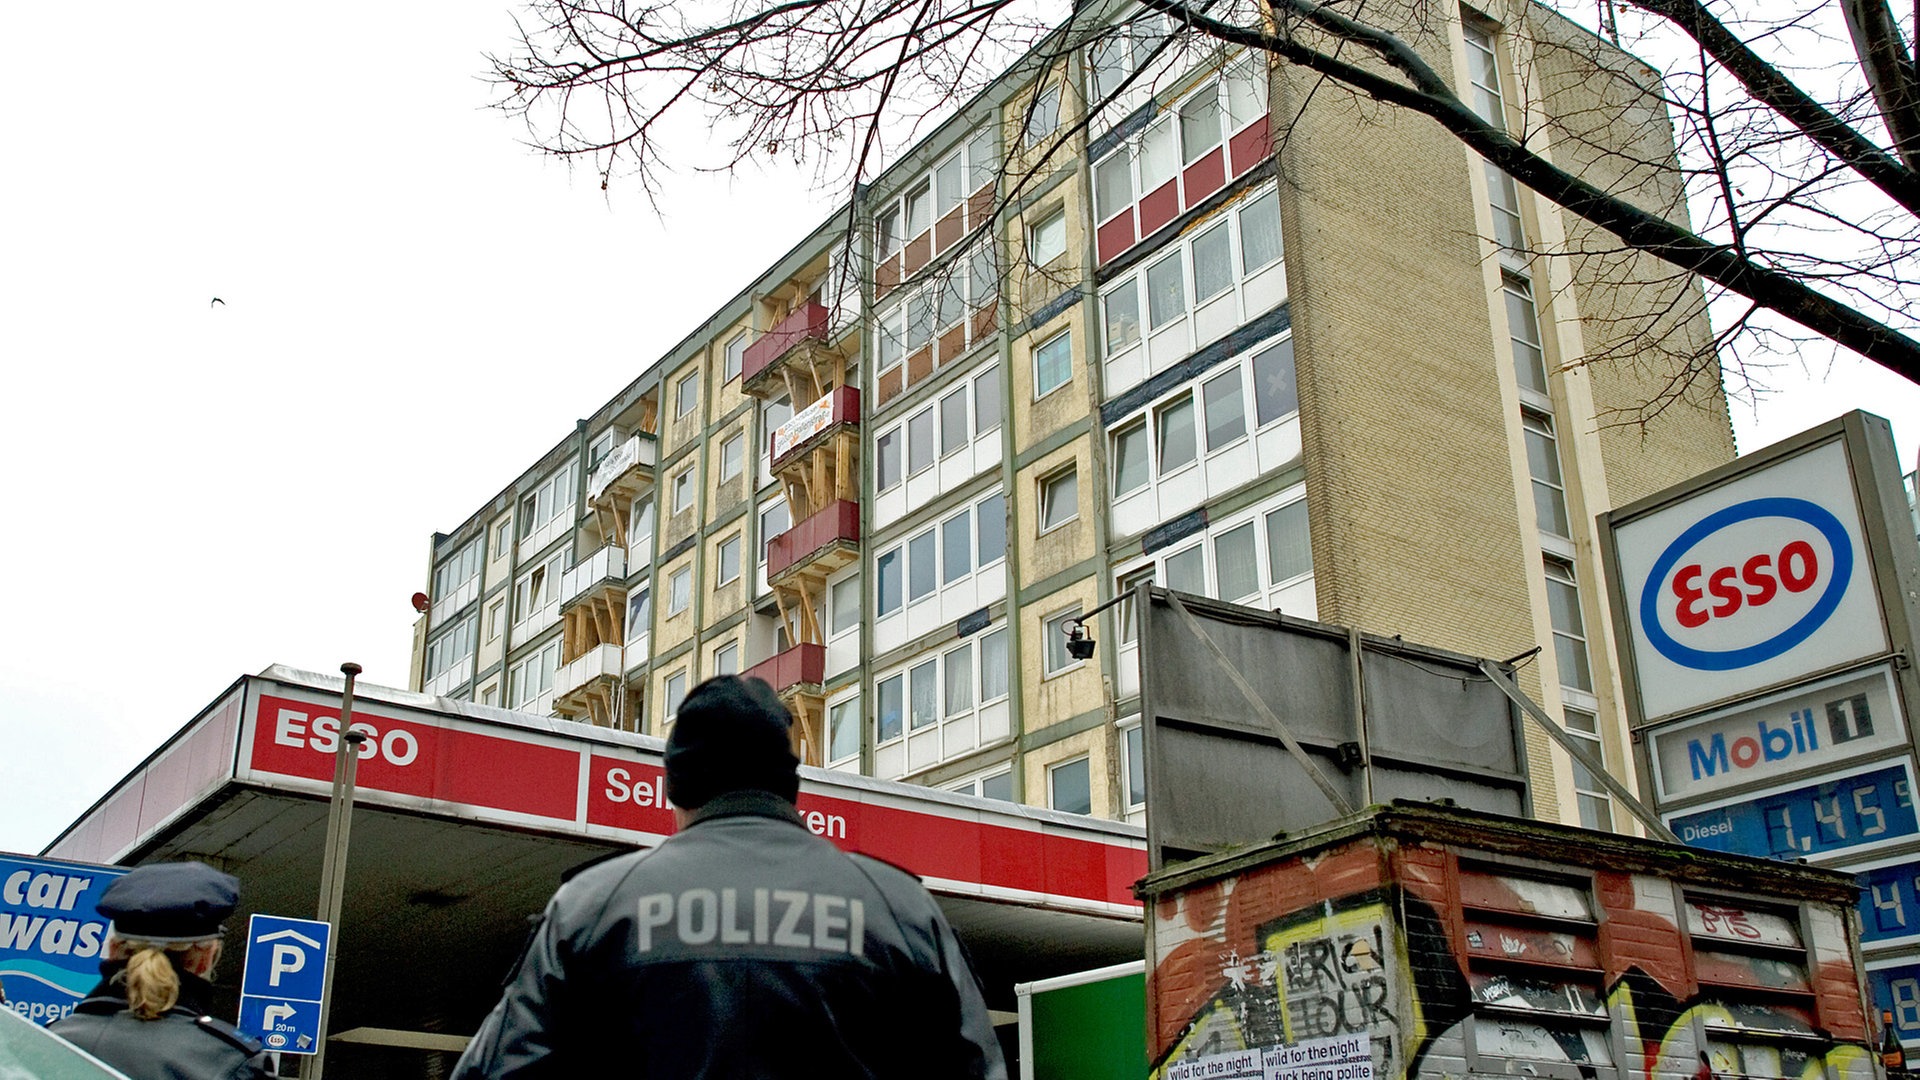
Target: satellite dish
421,603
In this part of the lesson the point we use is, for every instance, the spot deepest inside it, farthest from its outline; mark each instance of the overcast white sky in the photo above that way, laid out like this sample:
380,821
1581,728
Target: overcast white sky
416,306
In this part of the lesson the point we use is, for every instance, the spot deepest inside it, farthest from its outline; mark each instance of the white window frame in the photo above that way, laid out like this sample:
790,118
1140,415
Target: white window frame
1244,70
723,575
1064,340
726,659
686,395
1129,757
1053,640
847,708
1047,238
496,617
452,646
1054,770
1260,516
679,598
733,453
1135,281
1148,419
683,490
735,355
1049,487
938,659
890,220
970,275
891,440
976,785
668,692
551,499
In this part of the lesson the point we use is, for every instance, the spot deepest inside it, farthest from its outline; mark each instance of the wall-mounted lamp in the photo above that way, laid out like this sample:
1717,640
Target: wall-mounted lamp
1079,642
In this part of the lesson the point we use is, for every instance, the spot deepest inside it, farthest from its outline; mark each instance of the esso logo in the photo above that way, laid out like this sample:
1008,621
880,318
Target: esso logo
1746,583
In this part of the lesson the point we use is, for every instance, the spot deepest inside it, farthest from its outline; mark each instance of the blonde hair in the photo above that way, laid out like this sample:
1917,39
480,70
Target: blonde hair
152,974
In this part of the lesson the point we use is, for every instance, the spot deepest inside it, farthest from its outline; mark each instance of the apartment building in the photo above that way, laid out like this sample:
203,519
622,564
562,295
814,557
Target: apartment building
1112,321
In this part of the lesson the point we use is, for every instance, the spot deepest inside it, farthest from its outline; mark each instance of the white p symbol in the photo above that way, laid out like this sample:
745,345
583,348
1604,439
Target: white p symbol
287,959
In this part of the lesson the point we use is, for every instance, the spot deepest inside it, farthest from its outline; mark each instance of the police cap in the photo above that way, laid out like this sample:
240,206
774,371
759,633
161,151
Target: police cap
170,902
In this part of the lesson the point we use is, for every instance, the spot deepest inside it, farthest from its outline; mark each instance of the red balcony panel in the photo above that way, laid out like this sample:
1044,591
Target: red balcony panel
807,321
840,406
1253,145
1159,206
841,521
1205,176
805,663
1115,236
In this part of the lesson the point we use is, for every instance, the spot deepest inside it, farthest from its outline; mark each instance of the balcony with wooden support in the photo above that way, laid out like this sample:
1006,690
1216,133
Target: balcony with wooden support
808,553
588,687
816,454
593,607
622,477
796,358
797,675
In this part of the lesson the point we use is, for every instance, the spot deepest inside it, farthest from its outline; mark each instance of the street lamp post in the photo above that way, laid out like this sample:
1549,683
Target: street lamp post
333,867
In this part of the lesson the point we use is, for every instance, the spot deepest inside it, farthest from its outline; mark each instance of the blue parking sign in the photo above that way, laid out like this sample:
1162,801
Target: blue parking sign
280,989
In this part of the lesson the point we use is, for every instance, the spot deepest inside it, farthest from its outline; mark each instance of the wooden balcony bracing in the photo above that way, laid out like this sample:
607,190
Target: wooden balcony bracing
599,702
613,506
593,619
821,472
796,676
797,357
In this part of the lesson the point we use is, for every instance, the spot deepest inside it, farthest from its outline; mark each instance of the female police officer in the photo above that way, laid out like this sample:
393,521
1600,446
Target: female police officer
148,1017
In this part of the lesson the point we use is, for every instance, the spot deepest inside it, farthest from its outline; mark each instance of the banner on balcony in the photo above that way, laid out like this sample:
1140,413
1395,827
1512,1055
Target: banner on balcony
805,424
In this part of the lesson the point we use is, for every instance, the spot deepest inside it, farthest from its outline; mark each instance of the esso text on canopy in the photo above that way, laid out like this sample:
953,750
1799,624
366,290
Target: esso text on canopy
1746,583
321,733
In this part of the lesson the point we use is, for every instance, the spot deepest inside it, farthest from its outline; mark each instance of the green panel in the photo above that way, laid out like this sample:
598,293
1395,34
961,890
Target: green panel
1095,1030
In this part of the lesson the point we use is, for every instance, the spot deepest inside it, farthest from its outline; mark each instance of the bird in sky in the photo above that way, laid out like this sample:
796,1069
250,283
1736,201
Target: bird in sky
217,300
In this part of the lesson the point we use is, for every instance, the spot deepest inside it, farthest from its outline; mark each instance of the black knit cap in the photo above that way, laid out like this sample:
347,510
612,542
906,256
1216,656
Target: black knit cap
170,902
731,734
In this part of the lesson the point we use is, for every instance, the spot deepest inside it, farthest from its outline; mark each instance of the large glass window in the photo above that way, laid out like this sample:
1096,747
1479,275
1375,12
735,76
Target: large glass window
1200,122
991,516
1275,394
843,729
1289,545
1237,567
1260,232
1178,447
1166,291
953,421
736,354
775,519
1226,409
886,460
887,582
679,590
845,605
728,558
1596,807
1132,747
1130,458
994,678
1212,263
732,453
1122,311
922,573
956,548
920,441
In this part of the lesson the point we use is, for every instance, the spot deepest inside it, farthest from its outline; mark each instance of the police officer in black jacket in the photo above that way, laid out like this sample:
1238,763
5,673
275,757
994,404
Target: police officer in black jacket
742,946
148,1017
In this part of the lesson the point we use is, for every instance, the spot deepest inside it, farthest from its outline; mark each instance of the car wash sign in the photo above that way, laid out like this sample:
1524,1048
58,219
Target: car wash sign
1748,584
51,935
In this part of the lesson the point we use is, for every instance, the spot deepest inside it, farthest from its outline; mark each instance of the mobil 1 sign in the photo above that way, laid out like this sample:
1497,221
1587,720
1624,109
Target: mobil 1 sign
1753,583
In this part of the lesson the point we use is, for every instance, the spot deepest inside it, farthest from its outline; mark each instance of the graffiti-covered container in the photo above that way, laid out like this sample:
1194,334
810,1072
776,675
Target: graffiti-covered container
1420,941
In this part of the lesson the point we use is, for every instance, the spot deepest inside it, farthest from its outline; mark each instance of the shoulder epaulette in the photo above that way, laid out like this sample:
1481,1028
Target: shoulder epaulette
227,1032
